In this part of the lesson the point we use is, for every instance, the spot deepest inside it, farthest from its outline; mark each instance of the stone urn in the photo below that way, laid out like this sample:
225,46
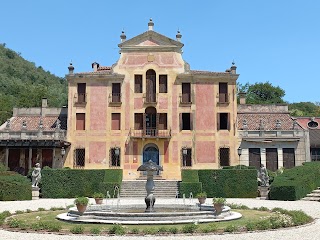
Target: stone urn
218,207
81,208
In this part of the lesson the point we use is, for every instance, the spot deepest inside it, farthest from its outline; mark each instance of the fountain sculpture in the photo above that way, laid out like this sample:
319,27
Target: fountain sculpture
150,167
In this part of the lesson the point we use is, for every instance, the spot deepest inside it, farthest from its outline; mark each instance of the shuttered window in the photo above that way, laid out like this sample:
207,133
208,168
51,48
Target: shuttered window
138,121
138,83
162,121
116,121
80,121
163,83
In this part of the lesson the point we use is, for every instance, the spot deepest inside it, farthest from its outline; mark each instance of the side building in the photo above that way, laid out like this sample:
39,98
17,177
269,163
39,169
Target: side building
269,136
150,106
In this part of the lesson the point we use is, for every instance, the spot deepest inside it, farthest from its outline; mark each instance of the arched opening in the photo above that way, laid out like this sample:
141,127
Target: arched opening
151,121
151,86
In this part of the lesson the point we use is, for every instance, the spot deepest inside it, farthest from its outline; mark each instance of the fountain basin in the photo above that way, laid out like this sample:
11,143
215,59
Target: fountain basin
163,214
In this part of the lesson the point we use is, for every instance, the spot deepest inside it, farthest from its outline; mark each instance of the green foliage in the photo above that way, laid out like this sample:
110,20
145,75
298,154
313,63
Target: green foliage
104,187
304,109
135,230
189,228
3,216
15,223
113,175
98,195
95,230
298,216
190,187
188,175
3,168
201,195
231,228
79,229
81,200
22,84
262,93
295,183
173,230
14,187
219,200
70,183
117,230
229,183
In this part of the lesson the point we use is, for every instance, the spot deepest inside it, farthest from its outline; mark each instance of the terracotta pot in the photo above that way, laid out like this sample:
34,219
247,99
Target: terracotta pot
202,200
81,208
218,207
98,200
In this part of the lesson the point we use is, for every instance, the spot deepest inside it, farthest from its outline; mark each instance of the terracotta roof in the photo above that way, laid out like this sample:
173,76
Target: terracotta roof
269,121
104,68
303,122
32,123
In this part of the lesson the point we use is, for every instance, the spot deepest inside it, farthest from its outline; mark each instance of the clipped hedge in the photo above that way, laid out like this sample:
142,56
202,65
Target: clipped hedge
189,175
229,183
14,187
296,183
70,183
189,187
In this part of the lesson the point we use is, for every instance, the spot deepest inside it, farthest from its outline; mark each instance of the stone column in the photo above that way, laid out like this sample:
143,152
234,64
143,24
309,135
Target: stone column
30,158
7,157
280,158
263,156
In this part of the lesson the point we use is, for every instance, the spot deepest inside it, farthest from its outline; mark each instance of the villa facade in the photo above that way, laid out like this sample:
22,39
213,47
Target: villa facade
150,106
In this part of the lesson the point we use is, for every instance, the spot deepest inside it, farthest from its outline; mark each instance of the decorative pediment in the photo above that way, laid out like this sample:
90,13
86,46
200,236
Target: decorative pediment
150,41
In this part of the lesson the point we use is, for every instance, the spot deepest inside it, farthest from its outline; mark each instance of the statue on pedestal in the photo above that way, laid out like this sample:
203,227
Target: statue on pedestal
263,176
36,175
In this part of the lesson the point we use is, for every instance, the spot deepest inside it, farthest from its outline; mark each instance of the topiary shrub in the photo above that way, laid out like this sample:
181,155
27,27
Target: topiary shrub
190,187
14,187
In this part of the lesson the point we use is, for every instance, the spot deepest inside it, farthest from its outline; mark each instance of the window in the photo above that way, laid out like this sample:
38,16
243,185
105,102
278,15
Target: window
223,121
138,83
255,157
162,121
223,93
315,154
116,92
185,121
186,93
79,157
224,156
186,157
80,121
288,158
163,87
151,86
138,121
81,88
115,121
114,157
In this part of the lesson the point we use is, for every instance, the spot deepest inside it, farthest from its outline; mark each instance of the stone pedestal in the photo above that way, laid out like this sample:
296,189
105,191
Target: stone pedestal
263,192
35,193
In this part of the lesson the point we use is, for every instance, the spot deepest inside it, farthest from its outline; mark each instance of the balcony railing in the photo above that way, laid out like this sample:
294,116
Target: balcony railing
150,98
33,135
185,98
150,133
115,98
223,98
80,98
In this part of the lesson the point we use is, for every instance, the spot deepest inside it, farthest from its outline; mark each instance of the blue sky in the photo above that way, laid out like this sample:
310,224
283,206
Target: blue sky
275,41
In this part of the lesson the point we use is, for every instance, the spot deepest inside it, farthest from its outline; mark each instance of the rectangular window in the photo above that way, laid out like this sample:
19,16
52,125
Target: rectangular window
163,81
185,121
116,92
186,93
255,157
272,159
81,88
224,156
80,121
138,83
114,157
162,121
288,158
223,92
115,121
186,154
138,121
79,157
315,154
223,120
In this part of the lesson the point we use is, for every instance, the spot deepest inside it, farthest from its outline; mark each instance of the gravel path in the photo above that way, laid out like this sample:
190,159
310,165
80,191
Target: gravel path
309,232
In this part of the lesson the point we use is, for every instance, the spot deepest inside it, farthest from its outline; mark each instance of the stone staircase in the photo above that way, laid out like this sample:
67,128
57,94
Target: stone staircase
137,188
313,196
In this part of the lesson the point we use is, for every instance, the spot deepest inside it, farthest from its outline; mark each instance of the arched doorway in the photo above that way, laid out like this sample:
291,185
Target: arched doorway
151,152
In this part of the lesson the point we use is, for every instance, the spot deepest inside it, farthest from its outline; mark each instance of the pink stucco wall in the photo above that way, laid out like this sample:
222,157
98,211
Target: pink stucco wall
138,103
97,152
175,152
204,100
163,103
127,108
205,151
166,151
98,107
175,117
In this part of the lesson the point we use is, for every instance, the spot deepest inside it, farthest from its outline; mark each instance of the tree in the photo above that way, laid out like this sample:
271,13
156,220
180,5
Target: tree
262,93
307,109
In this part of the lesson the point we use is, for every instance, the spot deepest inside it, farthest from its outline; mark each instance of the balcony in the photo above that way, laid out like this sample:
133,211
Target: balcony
223,98
150,98
185,99
115,99
80,99
150,133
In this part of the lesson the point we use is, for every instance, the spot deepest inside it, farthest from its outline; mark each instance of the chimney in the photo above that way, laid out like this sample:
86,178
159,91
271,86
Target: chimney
178,36
233,68
71,68
242,96
123,36
95,66
150,25
44,103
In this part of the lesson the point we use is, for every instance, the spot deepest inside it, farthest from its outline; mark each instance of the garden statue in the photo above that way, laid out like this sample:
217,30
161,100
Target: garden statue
263,176
36,175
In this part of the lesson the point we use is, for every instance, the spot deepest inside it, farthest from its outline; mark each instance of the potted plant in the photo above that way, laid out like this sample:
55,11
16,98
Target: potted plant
98,197
81,203
218,204
202,196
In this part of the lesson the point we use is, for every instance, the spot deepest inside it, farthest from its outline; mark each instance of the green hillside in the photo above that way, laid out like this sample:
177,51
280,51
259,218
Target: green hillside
22,84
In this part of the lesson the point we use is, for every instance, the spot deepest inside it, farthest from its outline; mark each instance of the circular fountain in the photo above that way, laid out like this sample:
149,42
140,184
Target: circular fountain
166,213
